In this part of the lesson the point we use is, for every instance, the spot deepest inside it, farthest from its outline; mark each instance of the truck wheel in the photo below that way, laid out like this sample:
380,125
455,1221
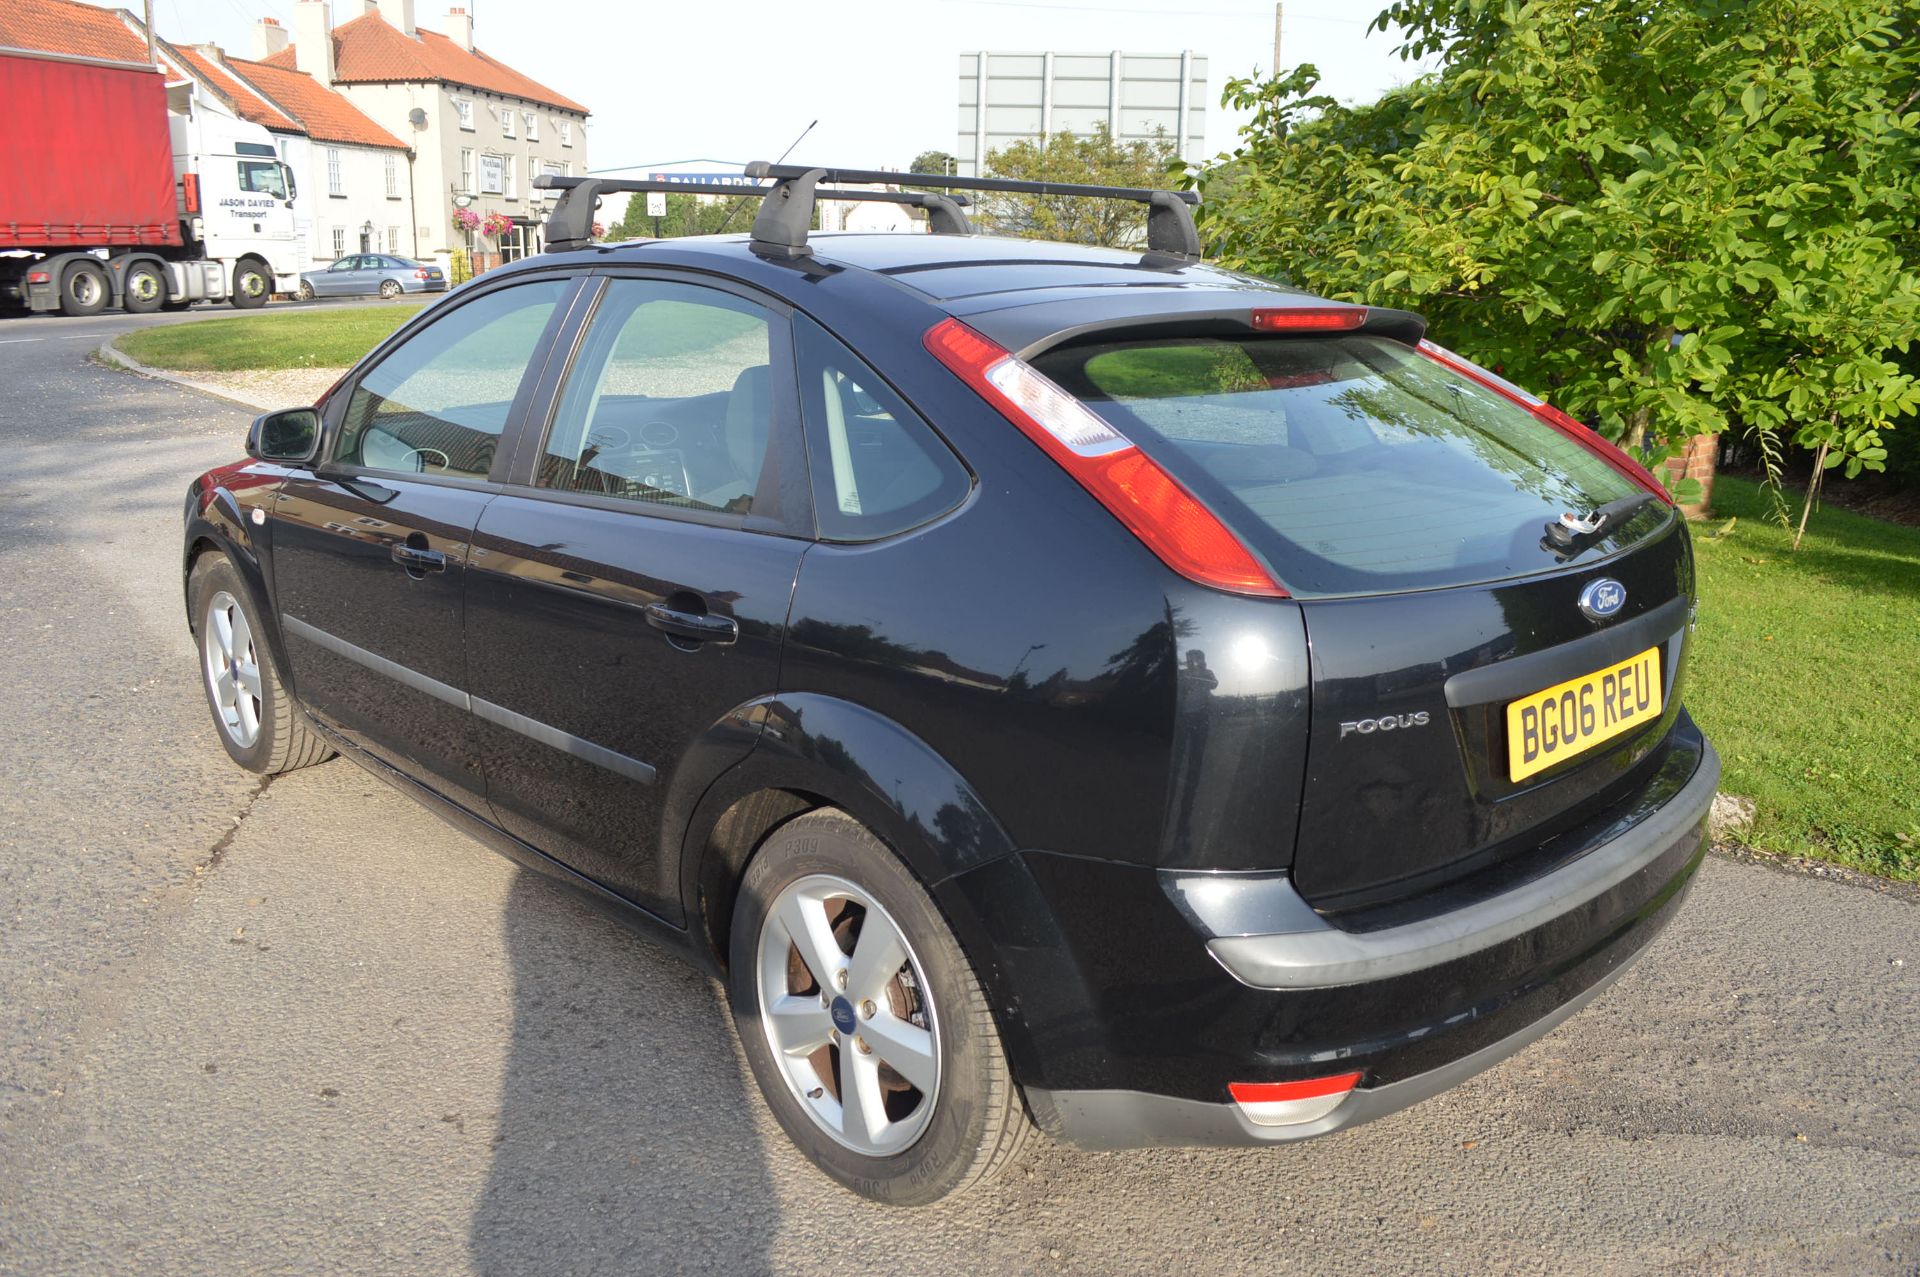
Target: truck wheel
146,286
83,288
250,286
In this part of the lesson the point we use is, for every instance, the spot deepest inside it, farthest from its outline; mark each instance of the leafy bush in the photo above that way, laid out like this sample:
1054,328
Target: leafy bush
1669,216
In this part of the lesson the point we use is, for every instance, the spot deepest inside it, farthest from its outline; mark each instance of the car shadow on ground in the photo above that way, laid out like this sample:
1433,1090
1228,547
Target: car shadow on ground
627,1136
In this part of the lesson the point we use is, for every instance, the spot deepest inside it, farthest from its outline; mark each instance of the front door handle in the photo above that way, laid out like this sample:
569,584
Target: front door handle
415,559
702,627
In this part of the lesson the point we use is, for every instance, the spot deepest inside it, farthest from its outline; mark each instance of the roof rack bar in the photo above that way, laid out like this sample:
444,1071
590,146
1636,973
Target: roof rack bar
568,228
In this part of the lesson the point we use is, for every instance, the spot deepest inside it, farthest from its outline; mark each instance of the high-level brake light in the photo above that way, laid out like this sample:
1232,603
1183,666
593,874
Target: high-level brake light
1560,421
1291,1103
1167,518
1309,319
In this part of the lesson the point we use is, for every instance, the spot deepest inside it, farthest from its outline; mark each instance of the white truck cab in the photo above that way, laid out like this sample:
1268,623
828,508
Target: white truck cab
237,201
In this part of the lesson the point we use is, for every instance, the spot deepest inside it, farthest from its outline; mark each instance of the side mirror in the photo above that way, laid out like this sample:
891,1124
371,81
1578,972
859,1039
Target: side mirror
289,437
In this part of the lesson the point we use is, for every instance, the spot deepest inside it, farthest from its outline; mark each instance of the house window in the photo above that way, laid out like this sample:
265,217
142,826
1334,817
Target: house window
510,186
333,172
533,127
393,239
566,133
464,109
507,118
393,177
466,170
492,174
339,240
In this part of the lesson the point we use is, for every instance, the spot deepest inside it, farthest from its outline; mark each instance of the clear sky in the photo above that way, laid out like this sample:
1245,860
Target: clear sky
738,79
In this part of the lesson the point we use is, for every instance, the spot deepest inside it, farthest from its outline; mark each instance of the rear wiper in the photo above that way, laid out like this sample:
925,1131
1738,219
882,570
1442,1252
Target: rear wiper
1571,529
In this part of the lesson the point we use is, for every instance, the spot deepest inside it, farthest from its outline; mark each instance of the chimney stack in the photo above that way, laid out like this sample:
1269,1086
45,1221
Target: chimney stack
269,37
459,28
313,39
398,14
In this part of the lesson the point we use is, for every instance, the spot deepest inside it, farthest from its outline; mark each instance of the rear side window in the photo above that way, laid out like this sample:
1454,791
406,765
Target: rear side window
1353,464
437,404
670,401
877,467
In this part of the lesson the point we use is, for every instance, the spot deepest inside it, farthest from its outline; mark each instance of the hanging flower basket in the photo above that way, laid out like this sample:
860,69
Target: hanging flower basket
497,224
466,219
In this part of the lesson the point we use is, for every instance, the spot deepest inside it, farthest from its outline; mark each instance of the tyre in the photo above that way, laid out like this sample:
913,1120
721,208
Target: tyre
305,292
389,289
863,1022
146,288
252,714
83,288
251,287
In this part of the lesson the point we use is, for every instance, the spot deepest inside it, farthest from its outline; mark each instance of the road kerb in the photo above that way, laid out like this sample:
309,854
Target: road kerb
114,357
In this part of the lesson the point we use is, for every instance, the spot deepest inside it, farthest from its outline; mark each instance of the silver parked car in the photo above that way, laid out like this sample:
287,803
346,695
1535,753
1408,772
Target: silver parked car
359,274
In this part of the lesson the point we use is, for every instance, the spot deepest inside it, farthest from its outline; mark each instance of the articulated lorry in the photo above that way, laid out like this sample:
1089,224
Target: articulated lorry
118,190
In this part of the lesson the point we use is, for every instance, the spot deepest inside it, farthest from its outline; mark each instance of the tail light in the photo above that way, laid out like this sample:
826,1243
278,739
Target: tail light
1560,421
1167,518
1291,1103
420,274
40,277
190,191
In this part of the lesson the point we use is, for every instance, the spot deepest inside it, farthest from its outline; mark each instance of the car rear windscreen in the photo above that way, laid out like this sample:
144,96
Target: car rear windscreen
1353,464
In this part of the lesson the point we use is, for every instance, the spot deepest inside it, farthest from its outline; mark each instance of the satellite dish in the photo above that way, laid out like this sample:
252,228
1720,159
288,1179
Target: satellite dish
417,118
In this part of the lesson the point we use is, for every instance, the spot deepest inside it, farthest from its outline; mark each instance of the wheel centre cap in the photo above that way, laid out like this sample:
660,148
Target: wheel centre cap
842,1013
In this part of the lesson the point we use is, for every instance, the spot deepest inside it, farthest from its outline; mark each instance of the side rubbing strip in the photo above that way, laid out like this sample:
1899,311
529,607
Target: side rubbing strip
532,728
378,664
566,743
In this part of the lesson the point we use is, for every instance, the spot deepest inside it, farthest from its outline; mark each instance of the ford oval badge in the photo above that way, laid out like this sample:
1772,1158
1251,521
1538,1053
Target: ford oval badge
1603,598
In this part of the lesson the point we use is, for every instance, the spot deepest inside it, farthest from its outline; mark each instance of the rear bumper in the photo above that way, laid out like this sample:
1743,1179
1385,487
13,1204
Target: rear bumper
1415,1007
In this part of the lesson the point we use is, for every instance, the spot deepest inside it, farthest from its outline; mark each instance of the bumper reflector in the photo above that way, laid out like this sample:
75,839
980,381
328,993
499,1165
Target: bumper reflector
1290,1103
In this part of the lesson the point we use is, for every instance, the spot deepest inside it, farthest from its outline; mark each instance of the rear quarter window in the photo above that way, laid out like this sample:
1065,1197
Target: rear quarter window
1353,464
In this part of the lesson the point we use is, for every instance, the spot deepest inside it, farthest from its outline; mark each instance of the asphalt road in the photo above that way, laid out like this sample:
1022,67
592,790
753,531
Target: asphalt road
304,1028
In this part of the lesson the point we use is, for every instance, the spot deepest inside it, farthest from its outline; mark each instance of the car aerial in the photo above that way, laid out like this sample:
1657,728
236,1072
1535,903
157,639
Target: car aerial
1053,686
371,274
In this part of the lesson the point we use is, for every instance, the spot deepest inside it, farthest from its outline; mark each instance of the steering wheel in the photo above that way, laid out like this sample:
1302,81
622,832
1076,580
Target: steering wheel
419,456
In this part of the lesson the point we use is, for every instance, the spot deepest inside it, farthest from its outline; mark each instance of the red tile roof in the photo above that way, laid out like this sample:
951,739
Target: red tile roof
247,103
60,26
327,115
369,51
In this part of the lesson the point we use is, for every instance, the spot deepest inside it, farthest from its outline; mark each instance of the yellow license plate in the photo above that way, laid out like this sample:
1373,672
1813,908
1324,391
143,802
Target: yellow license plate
1570,718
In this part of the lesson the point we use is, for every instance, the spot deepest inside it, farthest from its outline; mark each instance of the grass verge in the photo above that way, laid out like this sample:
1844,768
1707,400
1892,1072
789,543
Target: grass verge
302,339
1806,675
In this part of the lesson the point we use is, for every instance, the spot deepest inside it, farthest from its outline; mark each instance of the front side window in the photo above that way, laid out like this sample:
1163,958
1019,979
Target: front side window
438,404
877,467
263,177
669,402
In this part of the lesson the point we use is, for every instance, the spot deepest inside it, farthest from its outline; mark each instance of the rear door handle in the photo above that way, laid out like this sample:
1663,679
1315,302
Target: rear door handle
702,627
415,559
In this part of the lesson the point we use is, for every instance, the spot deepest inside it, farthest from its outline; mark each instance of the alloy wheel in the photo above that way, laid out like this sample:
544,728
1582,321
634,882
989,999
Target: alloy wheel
848,1016
232,669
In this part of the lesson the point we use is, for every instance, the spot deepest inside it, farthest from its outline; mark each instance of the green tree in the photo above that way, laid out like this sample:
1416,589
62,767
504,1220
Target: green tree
934,162
686,215
1097,159
1671,215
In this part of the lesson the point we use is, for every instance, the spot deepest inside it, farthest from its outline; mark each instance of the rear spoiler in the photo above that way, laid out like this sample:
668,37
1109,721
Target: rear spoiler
1027,331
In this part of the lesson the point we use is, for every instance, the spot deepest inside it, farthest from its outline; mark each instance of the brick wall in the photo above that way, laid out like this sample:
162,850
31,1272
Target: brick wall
1697,461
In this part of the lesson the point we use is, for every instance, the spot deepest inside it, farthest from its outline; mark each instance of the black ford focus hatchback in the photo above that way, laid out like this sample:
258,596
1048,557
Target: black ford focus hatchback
1052,686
